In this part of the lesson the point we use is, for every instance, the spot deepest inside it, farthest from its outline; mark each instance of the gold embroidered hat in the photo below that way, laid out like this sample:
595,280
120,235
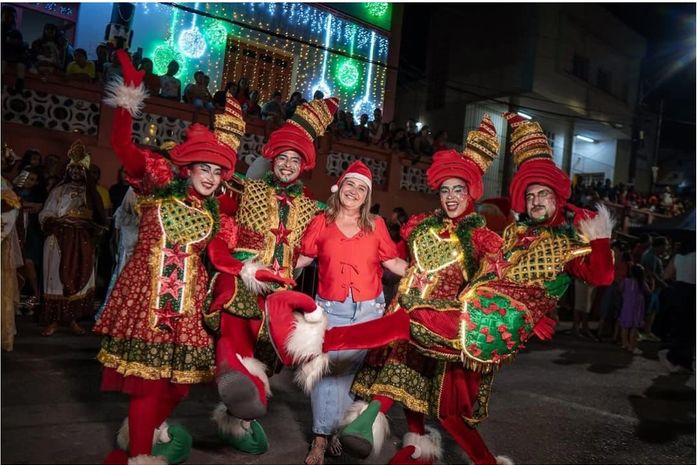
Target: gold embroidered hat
78,155
309,121
230,125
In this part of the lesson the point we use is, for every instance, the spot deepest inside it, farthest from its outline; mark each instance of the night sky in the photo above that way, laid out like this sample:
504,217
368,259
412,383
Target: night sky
670,33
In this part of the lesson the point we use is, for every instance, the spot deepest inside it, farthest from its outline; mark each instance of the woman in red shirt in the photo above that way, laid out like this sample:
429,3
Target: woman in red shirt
351,247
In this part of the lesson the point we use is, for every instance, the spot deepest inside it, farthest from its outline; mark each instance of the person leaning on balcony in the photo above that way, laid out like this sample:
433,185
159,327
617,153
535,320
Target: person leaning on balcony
171,87
151,80
80,69
14,49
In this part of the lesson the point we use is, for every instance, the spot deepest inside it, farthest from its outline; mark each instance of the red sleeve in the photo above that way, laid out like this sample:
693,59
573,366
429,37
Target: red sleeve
387,249
408,227
596,268
220,257
131,157
485,241
309,241
403,250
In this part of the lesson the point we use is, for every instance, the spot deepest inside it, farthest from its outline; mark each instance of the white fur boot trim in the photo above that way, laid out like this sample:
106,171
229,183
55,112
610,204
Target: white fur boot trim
120,95
228,424
258,369
147,460
305,339
503,460
248,275
598,227
160,434
308,373
381,427
314,316
427,446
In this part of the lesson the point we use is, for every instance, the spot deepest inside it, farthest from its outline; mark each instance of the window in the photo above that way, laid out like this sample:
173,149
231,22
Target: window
580,67
604,80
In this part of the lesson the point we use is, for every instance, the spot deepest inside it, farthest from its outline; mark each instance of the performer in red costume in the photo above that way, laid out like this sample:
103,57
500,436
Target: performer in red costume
505,303
155,344
273,215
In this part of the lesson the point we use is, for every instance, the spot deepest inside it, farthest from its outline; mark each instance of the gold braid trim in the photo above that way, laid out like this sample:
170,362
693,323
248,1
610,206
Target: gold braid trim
481,411
400,395
140,370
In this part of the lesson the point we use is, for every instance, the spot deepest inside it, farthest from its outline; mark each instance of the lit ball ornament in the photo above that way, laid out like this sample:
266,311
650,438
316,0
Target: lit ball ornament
161,57
376,9
216,33
191,43
348,74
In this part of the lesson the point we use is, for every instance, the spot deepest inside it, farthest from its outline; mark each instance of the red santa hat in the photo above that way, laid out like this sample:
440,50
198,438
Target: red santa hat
356,170
309,121
481,149
533,156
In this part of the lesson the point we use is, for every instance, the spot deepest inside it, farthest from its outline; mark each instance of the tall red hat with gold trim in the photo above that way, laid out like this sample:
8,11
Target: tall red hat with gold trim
219,147
309,121
534,157
480,151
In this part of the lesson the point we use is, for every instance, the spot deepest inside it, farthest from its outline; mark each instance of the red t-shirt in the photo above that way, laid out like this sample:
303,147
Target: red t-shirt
348,263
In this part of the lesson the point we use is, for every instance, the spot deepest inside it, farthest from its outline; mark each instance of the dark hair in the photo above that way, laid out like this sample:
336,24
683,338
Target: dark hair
393,229
659,242
80,50
402,216
276,93
637,272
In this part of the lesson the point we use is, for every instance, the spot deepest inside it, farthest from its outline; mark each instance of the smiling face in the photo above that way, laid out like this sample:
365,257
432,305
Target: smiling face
454,197
205,178
540,202
352,193
287,166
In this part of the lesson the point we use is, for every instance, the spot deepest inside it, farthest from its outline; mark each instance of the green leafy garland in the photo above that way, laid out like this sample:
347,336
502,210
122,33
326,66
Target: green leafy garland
293,190
463,231
177,188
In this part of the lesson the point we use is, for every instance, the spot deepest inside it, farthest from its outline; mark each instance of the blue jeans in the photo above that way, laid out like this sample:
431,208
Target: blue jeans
199,103
331,396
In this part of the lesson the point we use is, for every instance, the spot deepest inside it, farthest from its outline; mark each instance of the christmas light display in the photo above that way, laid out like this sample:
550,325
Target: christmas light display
293,47
376,9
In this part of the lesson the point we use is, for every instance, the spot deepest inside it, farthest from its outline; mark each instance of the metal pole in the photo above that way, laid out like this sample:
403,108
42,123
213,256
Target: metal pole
658,142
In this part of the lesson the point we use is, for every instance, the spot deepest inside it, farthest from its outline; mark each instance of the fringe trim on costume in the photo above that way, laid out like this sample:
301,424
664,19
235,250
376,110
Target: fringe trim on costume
228,424
256,368
309,373
119,95
427,446
248,275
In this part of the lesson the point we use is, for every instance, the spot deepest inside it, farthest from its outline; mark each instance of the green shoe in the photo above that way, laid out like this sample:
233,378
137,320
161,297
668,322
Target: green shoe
177,450
253,441
357,437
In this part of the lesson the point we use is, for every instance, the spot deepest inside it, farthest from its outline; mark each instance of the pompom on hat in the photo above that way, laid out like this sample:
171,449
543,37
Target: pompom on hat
481,149
309,121
219,147
356,170
534,157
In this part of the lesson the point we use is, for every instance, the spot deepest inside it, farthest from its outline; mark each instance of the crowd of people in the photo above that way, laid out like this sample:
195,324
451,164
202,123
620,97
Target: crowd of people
418,310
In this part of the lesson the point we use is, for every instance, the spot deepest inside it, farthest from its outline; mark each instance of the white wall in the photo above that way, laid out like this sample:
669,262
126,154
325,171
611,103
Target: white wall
594,157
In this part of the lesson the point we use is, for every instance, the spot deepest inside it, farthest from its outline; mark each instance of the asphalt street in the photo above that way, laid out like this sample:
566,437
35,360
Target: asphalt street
570,400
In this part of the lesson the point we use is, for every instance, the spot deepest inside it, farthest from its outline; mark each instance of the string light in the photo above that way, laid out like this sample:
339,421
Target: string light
376,9
347,74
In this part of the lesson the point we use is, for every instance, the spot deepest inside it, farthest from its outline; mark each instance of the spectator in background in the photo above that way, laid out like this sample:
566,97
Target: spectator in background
399,141
634,289
31,158
272,111
242,92
51,47
151,80
640,247
423,142
652,262
219,96
251,109
118,190
348,129
14,50
362,131
170,87
318,95
198,95
112,69
47,60
375,128
81,69
102,58
440,142
295,99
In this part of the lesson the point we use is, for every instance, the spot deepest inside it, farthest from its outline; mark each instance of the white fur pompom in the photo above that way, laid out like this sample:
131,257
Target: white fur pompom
598,227
314,316
120,95
503,460
334,189
249,277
